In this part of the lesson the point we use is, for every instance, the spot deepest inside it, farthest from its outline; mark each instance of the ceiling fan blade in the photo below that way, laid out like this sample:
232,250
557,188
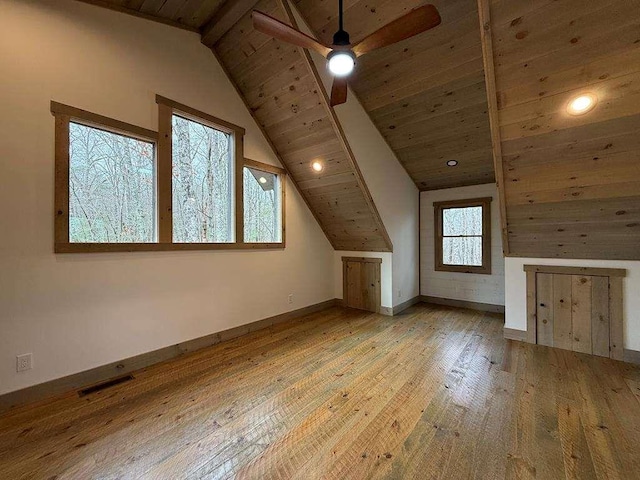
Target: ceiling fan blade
416,21
339,91
275,28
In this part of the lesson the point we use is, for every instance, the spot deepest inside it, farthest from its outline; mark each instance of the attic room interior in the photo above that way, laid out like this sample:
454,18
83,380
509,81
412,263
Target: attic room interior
320,239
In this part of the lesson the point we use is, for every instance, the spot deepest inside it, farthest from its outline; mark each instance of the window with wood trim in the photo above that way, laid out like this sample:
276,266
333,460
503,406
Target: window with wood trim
264,200
119,187
202,182
463,236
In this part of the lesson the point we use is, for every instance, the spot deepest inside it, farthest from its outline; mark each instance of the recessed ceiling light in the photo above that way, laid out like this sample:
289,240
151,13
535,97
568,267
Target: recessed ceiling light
452,163
262,180
582,104
317,166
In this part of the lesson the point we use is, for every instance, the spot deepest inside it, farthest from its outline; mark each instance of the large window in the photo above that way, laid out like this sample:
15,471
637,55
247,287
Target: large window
463,236
111,187
119,187
203,186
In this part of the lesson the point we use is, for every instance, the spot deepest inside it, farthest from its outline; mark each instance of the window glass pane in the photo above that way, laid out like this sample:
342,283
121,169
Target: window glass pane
462,251
462,221
202,183
262,211
111,187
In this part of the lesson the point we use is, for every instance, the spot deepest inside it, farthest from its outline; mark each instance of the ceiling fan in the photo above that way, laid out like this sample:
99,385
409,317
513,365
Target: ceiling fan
342,54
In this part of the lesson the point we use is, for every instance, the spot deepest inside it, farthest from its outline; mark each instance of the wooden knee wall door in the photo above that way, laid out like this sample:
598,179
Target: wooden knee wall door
361,283
576,308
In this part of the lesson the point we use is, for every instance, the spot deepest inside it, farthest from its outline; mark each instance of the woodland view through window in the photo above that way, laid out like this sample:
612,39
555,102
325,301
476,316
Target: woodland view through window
262,199
203,183
463,236
187,186
111,187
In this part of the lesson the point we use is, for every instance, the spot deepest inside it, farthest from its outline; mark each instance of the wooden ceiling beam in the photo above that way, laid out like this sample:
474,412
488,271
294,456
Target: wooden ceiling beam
494,122
136,13
228,15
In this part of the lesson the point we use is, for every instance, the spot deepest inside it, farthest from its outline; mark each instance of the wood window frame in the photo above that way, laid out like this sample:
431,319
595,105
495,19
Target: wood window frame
64,116
281,173
163,146
485,203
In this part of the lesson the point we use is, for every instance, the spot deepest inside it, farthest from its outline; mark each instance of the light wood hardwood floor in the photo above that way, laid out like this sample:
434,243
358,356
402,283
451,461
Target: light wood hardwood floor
433,393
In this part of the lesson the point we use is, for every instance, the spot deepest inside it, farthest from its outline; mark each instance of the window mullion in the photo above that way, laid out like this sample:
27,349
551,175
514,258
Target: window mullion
238,151
164,174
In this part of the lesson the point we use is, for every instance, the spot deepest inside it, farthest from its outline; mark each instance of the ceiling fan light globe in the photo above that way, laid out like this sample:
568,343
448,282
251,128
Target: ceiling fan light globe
341,63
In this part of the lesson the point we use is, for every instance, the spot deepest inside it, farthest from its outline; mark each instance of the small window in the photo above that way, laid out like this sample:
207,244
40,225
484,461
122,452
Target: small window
111,187
263,203
203,183
463,236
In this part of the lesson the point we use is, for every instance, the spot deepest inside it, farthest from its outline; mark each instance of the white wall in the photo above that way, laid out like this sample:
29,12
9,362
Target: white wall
516,290
392,189
76,312
461,286
393,192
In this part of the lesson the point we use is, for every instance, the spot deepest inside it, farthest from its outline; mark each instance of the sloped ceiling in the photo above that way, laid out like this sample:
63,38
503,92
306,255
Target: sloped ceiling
280,88
282,91
187,14
426,94
571,183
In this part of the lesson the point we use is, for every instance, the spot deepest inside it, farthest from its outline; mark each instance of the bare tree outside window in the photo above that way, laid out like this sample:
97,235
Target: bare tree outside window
202,183
262,217
462,236
111,187
120,187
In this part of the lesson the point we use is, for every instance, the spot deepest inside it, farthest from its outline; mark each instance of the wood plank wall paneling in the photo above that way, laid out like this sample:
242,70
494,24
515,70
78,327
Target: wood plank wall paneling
426,94
575,308
572,183
545,311
581,313
562,312
284,97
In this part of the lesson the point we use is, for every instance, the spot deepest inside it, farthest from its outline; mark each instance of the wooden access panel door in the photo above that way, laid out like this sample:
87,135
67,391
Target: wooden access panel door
576,309
361,283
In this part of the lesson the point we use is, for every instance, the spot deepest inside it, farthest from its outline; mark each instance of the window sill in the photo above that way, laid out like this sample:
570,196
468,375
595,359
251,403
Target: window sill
160,247
463,269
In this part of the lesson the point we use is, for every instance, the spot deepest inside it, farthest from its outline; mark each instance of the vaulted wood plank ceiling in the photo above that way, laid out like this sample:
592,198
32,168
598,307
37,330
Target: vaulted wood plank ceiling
572,183
282,91
426,94
189,14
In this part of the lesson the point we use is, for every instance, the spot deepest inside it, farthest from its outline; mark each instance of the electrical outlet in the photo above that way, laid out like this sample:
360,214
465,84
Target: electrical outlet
24,362
290,298
399,293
